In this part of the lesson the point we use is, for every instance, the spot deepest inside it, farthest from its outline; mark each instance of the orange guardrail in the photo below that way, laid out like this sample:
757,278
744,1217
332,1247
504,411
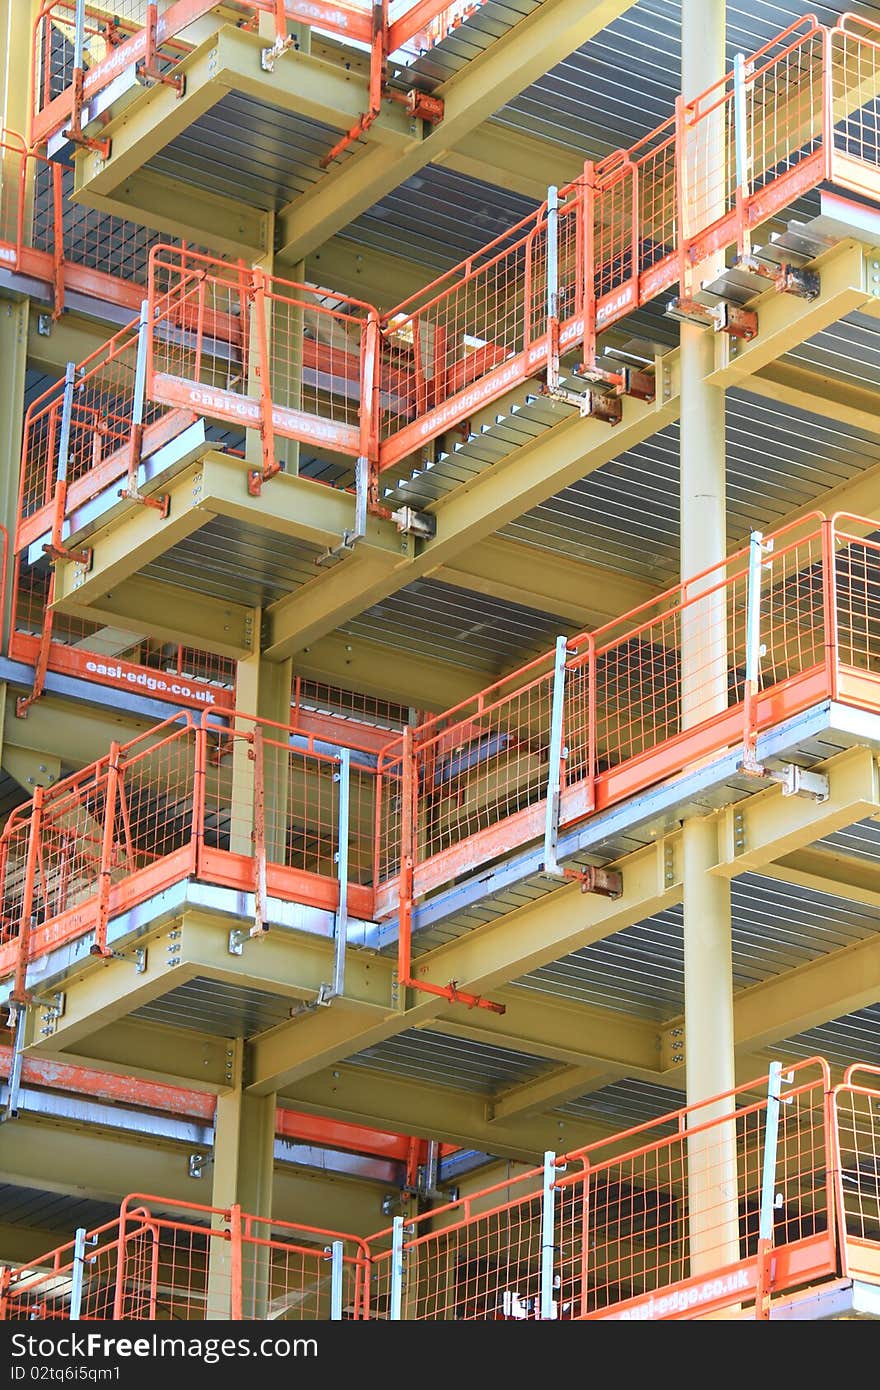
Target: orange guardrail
293,360
716,1208
602,718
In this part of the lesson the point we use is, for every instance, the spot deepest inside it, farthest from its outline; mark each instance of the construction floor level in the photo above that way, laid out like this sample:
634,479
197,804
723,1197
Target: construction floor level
440,708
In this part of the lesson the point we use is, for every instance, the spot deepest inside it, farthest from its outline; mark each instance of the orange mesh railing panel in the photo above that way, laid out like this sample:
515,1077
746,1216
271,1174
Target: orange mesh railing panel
42,1289
270,791
142,665
475,1260
661,1221
222,336
478,330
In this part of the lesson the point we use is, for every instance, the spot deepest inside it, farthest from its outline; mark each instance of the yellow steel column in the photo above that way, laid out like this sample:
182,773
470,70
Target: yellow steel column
13,356
708,982
243,1169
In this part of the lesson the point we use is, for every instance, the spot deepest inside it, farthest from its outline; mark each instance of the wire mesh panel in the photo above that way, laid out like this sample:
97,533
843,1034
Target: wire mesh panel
100,432
481,774
856,605
272,796
288,1272
857,1116
854,48
113,656
137,837
45,1288
237,345
478,330
475,1260
672,1222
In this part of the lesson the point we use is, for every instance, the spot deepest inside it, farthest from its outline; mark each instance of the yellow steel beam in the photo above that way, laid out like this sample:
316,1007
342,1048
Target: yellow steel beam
809,390
148,1052
584,594
549,1092
168,612
783,322
373,669
105,1165
72,338
560,456
558,1031
827,988
826,871
771,825
522,55
224,225
68,730
362,1096
29,768
524,164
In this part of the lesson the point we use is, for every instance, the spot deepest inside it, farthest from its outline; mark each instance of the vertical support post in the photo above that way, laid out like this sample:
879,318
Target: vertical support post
713,1208
336,1271
555,756
370,414
829,587
63,460
361,497
547,1309
396,1304
768,1192
77,1273
108,841
552,289
236,1280
263,367
341,927
79,33
408,784
19,987
57,239
259,847
741,149
137,405
589,264
14,1084
754,652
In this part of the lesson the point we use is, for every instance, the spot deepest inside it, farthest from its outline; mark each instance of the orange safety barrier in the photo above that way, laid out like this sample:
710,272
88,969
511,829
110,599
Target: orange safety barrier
256,350
126,33
68,247
254,806
125,661
292,360
716,1208
172,1261
603,717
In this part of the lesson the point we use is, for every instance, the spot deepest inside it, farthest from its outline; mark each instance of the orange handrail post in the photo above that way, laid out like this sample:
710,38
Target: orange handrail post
263,369
235,1264
829,599
108,841
58,239
408,838
260,910
19,987
370,408
588,213
200,762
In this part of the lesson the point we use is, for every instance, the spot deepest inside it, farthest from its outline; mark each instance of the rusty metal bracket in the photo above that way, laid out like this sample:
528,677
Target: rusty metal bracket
258,476
606,883
161,503
735,321
148,72
798,281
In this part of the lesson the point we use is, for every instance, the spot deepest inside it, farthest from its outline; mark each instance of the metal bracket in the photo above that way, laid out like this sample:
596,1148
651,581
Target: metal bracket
137,957
197,1164
735,321
606,883
797,280
556,754
239,938
269,56
51,1013
413,523
794,780
162,503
